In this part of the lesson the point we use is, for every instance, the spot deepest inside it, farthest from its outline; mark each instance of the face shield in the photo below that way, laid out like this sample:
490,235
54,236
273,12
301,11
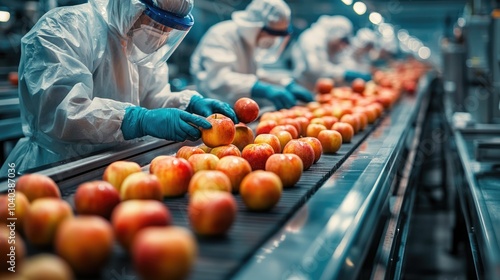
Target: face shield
270,45
155,35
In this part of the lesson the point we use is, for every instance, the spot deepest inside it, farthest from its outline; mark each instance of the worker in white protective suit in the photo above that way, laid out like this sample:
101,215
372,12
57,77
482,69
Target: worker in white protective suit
387,51
358,56
226,61
317,52
94,75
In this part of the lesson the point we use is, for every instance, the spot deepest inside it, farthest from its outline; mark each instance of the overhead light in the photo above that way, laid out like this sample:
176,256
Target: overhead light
347,2
375,18
403,35
359,8
386,30
461,22
424,52
4,16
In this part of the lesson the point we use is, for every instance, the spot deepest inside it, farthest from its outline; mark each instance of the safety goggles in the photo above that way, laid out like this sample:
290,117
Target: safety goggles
270,46
156,34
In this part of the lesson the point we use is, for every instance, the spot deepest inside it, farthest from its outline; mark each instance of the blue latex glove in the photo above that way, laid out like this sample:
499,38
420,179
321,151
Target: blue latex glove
349,76
207,106
300,92
280,96
165,123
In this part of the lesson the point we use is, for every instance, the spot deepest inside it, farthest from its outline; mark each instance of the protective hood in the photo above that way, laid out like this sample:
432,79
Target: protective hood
120,15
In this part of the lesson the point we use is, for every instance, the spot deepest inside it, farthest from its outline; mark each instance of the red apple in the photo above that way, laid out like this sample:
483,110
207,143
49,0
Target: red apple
304,122
174,175
261,190
236,168
141,185
36,186
221,133
265,126
86,243
270,139
13,251
205,148
352,120
152,165
226,150
244,136
288,167
209,180
286,127
164,253
315,144
329,120
324,85
284,137
203,162
96,198
257,154
363,120
18,205
345,130
43,219
212,212
303,150
317,120
186,151
117,171
46,266
246,109
331,141
293,122
313,129
358,85
131,216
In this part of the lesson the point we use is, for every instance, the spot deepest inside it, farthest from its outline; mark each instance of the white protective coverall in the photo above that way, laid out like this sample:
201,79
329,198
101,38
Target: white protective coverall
76,81
224,65
357,56
312,59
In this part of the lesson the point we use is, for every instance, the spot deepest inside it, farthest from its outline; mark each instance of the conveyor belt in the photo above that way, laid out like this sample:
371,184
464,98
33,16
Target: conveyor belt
223,257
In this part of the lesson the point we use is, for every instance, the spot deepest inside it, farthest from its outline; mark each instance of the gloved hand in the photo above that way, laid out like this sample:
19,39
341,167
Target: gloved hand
349,76
207,106
165,123
300,92
280,96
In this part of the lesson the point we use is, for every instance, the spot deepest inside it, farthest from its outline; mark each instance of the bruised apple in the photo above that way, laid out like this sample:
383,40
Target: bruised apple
186,151
243,136
246,109
221,133
288,167
257,155
236,168
166,253
174,175
35,186
131,216
141,185
209,180
261,190
96,198
44,218
303,149
211,212
86,243
203,162
117,171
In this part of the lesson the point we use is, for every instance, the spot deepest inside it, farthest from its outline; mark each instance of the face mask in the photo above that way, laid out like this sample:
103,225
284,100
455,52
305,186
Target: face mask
149,39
